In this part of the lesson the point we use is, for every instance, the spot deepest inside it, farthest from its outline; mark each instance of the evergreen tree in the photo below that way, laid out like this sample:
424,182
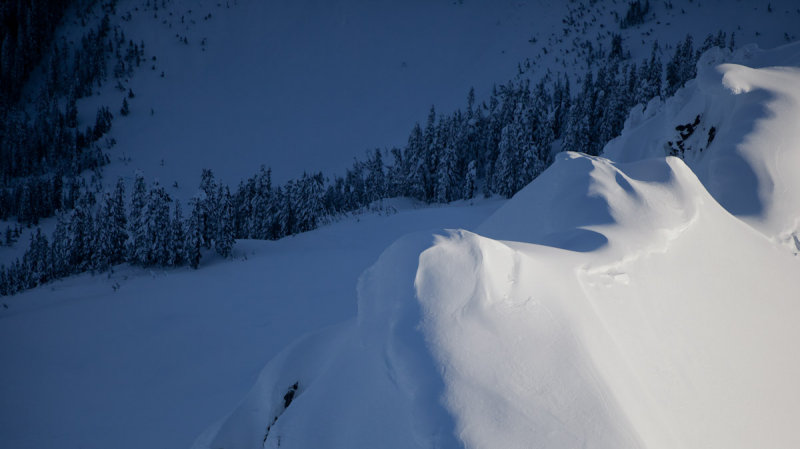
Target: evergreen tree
417,167
138,246
82,243
376,178
177,250
579,135
209,206
59,250
104,222
157,227
561,106
5,282
514,145
682,66
125,109
540,123
446,177
262,211
223,242
470,181
287,213
118,233
194,234
430,156
397,173
38,255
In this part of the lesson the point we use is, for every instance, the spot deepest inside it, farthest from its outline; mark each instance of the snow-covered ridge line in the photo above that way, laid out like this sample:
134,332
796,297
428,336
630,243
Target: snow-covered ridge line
165,352
607,305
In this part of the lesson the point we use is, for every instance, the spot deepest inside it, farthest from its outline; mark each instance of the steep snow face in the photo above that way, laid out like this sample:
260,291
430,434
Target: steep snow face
607,305
745,146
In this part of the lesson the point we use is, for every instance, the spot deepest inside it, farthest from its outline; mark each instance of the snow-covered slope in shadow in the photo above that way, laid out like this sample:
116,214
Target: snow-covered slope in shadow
607,305
370,382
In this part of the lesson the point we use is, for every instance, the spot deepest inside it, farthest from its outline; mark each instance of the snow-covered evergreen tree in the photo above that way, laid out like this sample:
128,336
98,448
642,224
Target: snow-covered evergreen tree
82,243
177,238
59,249
138,246
416,163
470,181
194,234
38,255
376,178
210,207
223,241
447,182
157,227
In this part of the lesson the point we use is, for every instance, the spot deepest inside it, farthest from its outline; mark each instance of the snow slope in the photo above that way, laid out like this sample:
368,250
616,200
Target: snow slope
607,305
308,85
301,85
146,358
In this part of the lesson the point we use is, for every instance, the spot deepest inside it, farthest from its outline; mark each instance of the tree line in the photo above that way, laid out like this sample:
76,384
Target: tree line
494,147
43,147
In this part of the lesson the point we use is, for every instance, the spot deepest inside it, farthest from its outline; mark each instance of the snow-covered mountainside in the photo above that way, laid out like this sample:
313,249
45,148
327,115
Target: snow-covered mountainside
307,85
645,298
609,304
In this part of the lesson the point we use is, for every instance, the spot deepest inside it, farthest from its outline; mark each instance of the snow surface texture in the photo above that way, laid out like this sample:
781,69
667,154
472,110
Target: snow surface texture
607,305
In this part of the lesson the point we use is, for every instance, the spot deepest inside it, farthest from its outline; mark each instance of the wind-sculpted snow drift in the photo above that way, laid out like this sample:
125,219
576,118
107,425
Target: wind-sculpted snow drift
607,305
746,147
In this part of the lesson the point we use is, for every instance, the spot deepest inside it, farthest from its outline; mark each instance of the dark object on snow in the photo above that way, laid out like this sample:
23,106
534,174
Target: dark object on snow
685,131
289,396
287,400
711,134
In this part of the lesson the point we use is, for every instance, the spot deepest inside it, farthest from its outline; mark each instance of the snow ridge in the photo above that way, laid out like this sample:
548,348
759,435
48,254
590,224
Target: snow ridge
627,304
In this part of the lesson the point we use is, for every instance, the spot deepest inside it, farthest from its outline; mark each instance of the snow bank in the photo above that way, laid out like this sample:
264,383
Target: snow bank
627,304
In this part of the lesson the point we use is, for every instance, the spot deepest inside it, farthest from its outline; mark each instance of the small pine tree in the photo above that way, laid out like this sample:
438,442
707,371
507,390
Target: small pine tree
124,110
